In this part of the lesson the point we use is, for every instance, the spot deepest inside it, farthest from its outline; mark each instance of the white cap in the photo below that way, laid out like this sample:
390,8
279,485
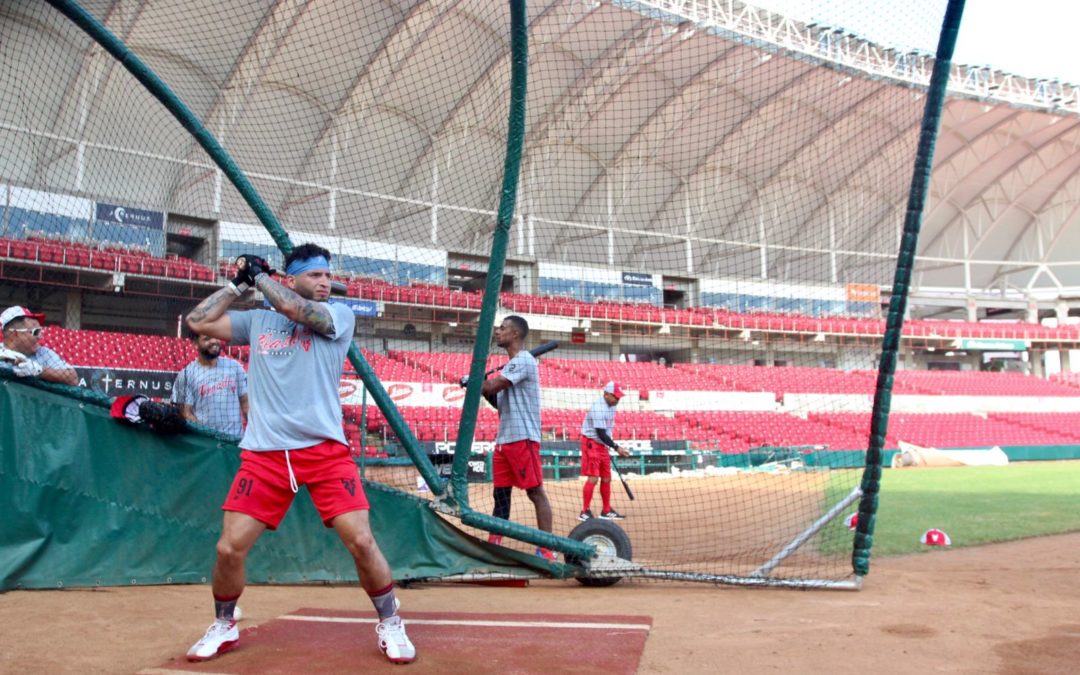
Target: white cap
17,312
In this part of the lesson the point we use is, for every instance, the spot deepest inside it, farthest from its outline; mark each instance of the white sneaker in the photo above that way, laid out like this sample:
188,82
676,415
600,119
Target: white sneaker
394,642
220,637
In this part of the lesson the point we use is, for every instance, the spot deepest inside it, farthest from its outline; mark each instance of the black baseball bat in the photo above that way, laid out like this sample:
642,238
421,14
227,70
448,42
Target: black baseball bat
629,492
535,351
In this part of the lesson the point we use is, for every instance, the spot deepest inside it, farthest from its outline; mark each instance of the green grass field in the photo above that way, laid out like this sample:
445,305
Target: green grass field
973,505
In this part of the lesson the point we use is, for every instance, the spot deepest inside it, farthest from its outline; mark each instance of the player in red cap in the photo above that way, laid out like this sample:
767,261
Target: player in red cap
595,459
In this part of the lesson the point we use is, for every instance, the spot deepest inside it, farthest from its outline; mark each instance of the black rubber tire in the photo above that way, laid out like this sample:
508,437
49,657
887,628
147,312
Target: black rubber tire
609,539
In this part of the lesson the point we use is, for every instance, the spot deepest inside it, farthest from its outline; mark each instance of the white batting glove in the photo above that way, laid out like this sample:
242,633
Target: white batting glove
27,368
11,356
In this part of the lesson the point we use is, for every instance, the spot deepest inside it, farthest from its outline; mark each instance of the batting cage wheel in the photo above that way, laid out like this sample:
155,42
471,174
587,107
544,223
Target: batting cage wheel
611,543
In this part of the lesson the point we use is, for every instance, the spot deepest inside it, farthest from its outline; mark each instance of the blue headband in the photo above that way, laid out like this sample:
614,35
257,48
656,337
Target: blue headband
301,266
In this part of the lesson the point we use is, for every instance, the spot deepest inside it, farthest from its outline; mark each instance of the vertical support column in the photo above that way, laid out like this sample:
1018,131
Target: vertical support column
1032,313
532,238
1038,366
438,330
1035,356
435,202
515,140
331,215
73,309
763,245
1061,311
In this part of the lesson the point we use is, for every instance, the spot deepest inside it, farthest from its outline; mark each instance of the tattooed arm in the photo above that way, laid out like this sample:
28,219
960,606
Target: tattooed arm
209,317
288,302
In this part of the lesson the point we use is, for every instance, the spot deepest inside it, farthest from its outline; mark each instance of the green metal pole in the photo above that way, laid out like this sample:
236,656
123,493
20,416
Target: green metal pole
161,91
519,65
459,488
363,432
920,186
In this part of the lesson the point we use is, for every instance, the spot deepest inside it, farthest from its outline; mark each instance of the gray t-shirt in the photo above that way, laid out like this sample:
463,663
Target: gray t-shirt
213,392
519,406
47,358
295,378
600,416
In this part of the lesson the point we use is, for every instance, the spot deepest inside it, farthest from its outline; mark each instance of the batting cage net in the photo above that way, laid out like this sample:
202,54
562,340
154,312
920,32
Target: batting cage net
706,213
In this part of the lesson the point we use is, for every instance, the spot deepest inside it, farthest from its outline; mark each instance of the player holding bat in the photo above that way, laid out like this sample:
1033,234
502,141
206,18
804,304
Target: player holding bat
293,437
595,459
537,351
515,392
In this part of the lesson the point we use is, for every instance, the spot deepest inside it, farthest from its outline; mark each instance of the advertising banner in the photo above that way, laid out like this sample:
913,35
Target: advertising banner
124,215
364,308
123,382
637,279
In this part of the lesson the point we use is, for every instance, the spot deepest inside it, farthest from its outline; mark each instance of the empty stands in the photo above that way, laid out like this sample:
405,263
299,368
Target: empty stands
755,429
972,383
729,431
119,350
783,379
169,353
395,370
137,261
60,252
368,288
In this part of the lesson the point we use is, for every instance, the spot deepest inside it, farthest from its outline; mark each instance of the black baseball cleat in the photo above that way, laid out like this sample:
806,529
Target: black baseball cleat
612,515
585,515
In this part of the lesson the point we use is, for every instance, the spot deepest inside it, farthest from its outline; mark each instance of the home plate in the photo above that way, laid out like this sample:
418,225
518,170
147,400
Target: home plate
331,641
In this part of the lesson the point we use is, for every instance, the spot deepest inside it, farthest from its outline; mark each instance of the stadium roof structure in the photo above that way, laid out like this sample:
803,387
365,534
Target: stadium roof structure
613,87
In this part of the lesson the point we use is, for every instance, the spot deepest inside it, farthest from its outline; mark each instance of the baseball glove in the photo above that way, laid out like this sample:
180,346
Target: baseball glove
162,418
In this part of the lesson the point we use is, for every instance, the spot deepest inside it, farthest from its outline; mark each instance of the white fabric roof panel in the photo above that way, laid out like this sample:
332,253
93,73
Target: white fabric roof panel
369,111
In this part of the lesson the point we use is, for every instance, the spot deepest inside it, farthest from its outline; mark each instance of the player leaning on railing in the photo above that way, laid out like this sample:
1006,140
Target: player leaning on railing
294,435
21,348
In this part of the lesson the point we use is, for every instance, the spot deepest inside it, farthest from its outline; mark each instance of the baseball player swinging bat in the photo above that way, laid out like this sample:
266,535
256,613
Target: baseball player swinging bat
535,351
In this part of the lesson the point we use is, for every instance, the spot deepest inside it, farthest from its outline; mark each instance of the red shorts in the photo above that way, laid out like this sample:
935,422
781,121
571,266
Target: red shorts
261,487
595,459
517,465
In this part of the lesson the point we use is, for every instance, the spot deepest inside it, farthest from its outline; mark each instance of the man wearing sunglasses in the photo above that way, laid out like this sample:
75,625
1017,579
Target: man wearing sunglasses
22,348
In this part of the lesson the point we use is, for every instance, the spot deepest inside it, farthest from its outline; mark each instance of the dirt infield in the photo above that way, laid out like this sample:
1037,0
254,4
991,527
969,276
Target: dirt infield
726,524
1006,608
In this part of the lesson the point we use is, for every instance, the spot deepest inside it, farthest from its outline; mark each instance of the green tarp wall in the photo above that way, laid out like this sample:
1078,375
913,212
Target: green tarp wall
86,501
